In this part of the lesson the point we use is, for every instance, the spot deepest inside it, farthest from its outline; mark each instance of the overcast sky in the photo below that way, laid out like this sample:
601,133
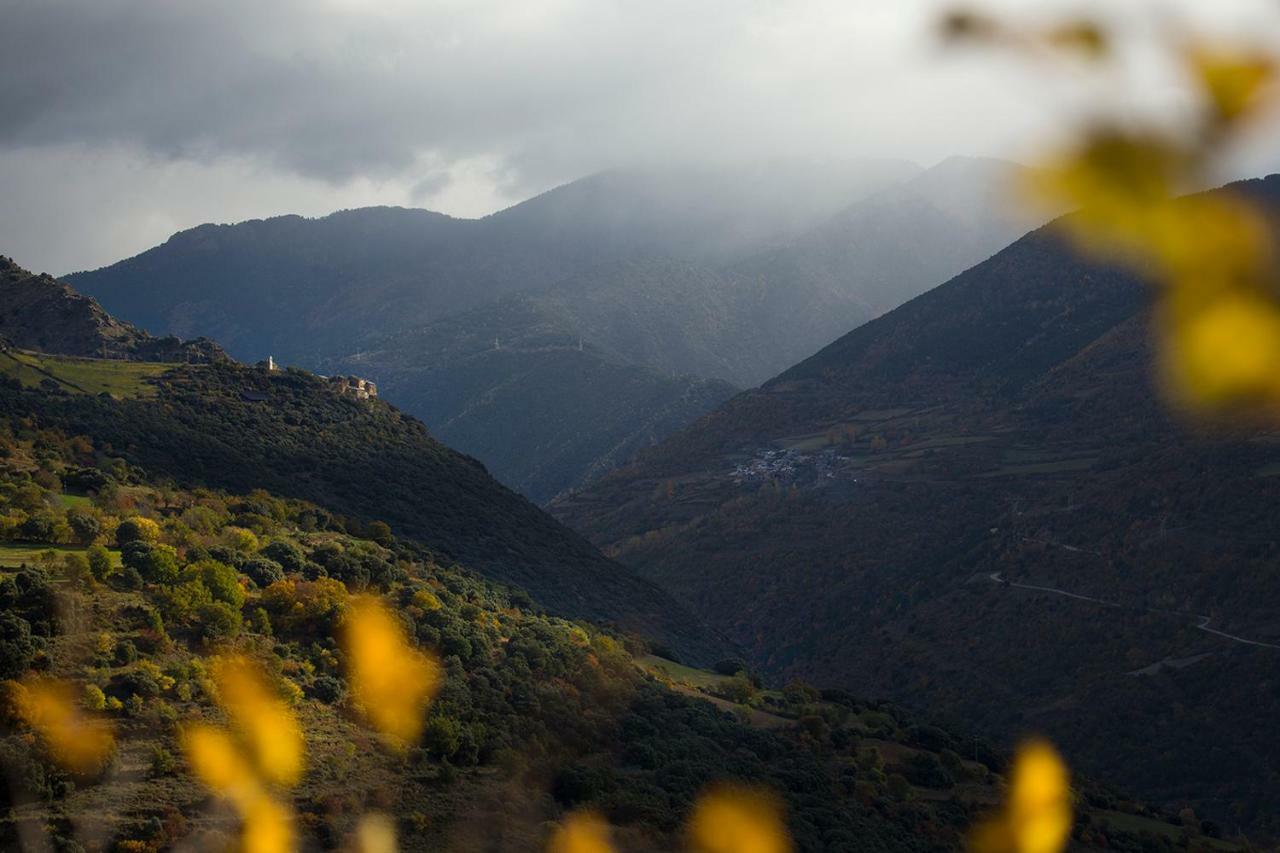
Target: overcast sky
122,121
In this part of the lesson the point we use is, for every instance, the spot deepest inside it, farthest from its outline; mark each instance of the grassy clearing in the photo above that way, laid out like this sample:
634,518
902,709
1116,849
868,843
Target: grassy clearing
13,556
697,682
83,375
682,674
1137,824
70,501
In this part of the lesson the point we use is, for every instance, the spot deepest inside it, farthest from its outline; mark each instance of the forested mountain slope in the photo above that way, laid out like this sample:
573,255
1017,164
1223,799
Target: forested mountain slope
302,289
979,502
512,385
135,597
228,426
726,273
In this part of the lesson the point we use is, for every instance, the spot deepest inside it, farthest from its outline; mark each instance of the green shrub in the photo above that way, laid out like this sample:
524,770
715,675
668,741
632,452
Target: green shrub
219,621
17,646
101,566
155,563
137,529
181,603
162,762
287,555
94,698
222,581
263,571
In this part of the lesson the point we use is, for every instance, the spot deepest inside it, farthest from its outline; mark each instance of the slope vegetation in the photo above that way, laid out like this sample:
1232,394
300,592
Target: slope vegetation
536,716
846,521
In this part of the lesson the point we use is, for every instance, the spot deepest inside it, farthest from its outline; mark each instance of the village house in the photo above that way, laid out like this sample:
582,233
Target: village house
354,386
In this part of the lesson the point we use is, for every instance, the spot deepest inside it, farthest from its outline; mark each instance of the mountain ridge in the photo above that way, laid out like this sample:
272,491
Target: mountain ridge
225,425
844,522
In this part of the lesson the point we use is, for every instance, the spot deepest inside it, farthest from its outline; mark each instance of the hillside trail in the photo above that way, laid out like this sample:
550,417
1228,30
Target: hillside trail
1202,622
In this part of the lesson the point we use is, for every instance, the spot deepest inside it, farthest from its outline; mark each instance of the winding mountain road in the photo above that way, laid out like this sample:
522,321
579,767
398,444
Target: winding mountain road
1202,622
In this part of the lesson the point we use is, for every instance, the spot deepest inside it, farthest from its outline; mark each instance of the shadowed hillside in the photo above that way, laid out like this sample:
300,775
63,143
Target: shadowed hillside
979,502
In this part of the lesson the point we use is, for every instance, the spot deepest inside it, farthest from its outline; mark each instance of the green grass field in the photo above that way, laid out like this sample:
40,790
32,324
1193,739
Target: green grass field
699,678
70,501
13,556
83,375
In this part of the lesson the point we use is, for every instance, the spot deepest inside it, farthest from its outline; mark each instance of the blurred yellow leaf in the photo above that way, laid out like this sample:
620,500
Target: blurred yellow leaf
581,832
217,763
1113,177
1037,813
78,742
392,680
1205,243
1228,351
1232,79
268,827
263,719
738,820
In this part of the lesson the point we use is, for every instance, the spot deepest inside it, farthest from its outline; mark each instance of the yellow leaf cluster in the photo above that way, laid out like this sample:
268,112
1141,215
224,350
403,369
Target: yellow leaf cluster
393,681
733,819
376,833
266,750
726,819
1219,310
262,719
1037,812
581,832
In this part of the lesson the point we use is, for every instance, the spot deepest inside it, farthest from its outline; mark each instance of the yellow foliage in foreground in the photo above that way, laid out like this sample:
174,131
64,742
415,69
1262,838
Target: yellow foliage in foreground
1037,813
581,832
269,751
262,719
734,819
79,743
391,679
1219,311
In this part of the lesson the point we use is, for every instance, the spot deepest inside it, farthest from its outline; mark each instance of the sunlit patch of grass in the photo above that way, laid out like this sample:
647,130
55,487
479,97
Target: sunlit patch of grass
83,375
13,556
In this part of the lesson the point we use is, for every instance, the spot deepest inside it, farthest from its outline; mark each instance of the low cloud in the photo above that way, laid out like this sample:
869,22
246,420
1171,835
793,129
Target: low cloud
459,104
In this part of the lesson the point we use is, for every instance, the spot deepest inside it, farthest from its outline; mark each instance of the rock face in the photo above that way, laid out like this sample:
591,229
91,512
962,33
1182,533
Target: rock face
39,312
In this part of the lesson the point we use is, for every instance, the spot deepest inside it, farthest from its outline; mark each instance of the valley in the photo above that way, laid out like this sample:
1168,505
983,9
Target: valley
580,427
843,521
678,286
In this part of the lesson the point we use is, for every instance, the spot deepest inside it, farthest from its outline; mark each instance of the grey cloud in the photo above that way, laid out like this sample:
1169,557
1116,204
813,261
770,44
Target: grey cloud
319,104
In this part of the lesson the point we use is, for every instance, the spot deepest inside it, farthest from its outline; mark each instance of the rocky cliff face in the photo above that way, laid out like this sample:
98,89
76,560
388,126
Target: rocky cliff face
41,313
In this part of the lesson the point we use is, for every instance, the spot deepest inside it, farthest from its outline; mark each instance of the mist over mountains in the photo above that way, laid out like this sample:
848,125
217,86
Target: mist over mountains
980,501
676,284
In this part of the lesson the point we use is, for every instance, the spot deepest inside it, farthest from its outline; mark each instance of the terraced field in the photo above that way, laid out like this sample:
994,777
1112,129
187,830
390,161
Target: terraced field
83,375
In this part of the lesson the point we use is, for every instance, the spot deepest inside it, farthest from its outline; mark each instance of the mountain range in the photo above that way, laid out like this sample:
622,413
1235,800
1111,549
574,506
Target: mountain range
976,505
151,576
666,278
981,502
224,425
